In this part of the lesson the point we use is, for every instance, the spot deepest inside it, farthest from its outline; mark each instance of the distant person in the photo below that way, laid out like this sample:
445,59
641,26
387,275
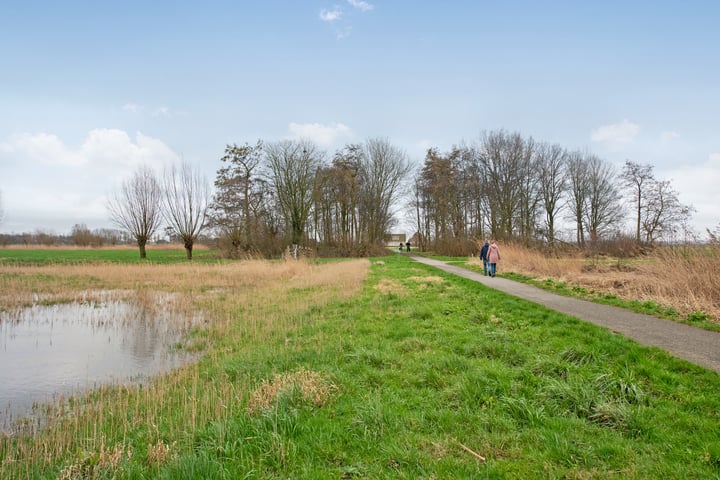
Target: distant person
400,248
484,257
407,246
493,256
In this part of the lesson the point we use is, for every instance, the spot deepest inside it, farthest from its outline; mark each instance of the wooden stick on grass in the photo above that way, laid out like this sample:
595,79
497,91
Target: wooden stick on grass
474,454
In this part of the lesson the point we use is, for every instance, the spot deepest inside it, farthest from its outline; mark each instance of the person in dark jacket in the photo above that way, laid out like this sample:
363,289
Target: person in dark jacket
484,257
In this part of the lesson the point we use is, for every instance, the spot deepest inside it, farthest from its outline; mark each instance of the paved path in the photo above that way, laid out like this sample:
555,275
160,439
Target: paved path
696,345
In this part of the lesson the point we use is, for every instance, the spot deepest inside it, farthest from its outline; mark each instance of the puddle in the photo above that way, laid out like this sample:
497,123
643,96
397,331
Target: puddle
48,351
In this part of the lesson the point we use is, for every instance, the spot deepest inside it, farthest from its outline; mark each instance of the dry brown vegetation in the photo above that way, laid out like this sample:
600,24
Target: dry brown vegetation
684,278
312,386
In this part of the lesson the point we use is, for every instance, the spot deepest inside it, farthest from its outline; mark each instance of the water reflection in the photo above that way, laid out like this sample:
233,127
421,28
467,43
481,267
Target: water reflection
47,351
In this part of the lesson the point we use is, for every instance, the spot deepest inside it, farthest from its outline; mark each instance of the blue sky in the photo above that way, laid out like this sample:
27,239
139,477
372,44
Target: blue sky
90,90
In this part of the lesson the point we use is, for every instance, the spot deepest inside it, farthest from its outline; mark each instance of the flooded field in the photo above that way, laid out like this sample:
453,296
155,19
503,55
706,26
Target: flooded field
49,351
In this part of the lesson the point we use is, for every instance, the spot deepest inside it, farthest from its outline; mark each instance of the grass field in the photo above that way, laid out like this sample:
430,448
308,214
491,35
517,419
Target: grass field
125,254
381,368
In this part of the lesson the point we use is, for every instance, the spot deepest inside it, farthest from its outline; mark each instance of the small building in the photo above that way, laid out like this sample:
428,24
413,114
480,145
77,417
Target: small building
393,239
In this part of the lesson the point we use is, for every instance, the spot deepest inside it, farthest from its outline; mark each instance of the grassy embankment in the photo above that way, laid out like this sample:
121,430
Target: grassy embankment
380,369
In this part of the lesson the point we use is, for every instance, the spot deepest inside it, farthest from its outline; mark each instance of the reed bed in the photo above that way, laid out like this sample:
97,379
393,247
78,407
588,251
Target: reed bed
90,433
684,279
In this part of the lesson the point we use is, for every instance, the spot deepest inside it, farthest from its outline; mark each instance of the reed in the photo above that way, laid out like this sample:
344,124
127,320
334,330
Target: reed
686,280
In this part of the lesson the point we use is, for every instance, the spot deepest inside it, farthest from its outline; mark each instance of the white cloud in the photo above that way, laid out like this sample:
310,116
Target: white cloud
697,186
359,4
330,15
43,148
336,17
114,149
616,135
323,135
49,184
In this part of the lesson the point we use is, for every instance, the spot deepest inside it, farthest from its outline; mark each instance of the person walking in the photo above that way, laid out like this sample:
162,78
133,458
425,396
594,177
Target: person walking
493,257
484,257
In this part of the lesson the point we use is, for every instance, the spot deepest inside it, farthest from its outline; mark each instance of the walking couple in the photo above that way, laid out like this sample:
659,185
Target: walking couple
490,255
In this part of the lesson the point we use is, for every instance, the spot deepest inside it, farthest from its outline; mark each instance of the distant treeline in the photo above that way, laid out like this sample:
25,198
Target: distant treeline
268,197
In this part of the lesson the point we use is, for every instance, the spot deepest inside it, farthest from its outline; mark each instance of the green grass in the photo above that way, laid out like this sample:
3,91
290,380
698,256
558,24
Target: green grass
39,256
429,367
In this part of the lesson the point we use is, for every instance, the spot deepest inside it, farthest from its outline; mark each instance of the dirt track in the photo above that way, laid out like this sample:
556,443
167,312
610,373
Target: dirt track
696,345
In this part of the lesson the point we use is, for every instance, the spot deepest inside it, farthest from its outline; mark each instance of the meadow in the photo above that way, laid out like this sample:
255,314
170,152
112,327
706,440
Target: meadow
379,368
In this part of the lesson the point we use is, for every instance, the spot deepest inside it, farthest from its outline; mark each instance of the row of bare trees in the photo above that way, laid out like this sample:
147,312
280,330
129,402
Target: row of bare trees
510,187
270,196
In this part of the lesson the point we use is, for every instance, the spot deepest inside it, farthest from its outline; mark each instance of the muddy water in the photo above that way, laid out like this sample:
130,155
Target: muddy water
49,351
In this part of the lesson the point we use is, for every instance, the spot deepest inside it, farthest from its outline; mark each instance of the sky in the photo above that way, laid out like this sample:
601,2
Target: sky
90,91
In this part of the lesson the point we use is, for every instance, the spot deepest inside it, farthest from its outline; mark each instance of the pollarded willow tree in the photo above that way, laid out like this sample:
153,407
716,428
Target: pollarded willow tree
137,206
186,198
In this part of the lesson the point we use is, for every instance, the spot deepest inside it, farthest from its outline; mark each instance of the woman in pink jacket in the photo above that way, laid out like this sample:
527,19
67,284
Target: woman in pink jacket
493,257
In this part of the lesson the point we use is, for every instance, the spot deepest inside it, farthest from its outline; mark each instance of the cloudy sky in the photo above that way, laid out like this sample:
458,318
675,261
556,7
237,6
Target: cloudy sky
91,90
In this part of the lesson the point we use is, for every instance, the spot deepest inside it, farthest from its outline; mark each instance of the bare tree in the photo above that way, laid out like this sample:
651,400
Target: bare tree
603,209
383,169
551,161
578,187
293,166
503,157
663,212
137,206
335,211
637,178
186,195
82,236
2,211
528,192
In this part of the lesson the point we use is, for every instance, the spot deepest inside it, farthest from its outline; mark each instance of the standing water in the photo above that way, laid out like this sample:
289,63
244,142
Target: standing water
49,351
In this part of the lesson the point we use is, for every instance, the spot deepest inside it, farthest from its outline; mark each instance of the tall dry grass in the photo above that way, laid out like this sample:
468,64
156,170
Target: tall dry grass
686,279
253,298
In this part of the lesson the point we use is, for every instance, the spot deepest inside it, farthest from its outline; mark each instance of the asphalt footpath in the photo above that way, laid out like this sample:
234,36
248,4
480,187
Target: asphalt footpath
696,345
